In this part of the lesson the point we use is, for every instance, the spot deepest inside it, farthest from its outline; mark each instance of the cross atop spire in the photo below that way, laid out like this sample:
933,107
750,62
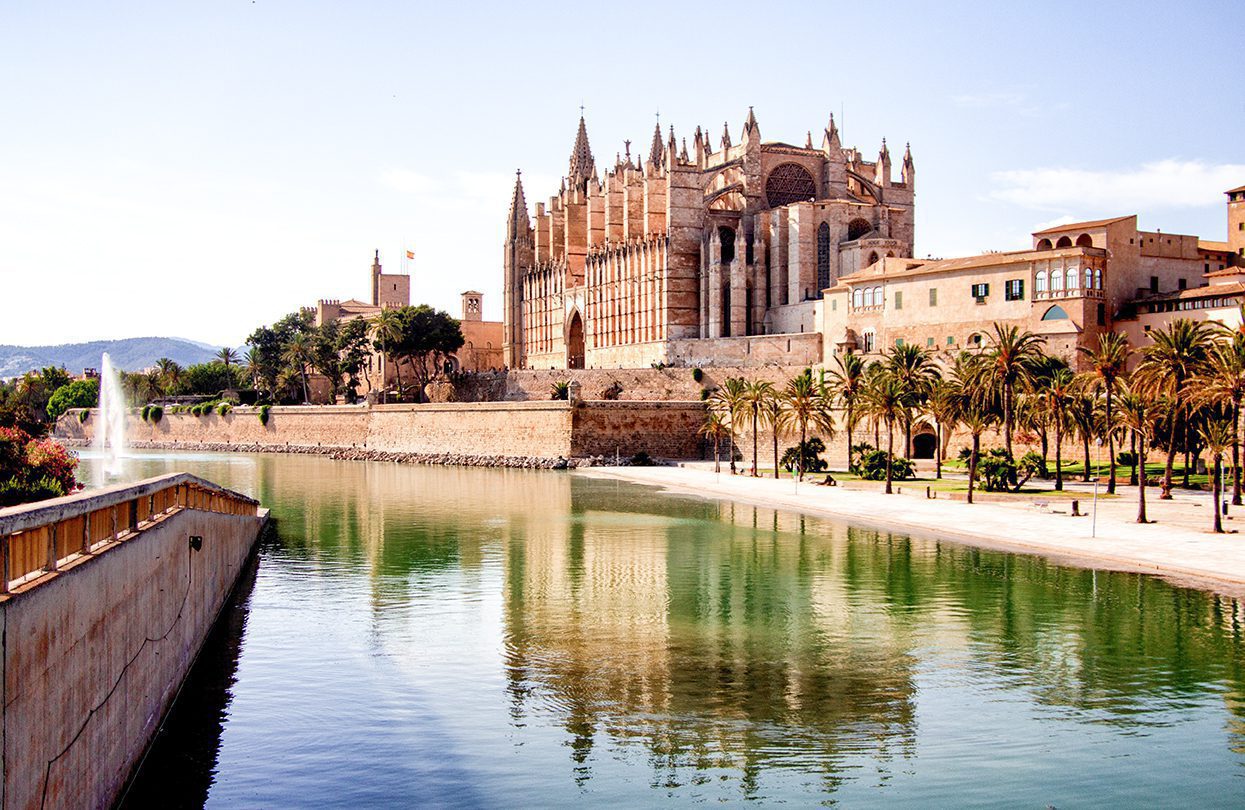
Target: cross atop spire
582,165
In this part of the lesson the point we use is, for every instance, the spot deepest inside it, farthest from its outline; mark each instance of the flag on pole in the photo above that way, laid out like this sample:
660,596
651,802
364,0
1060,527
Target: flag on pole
410,255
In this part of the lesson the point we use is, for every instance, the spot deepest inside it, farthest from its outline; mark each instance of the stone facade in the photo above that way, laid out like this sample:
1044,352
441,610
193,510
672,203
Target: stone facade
632,268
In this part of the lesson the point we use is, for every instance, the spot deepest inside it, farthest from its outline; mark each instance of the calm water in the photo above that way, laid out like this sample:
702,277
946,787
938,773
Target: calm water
455,637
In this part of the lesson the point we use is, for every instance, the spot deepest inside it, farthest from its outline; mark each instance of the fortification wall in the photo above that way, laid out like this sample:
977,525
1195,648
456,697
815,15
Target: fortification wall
631,384
95,652
473,432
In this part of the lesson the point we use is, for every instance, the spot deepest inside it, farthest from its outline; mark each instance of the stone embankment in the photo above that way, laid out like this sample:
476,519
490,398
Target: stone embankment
546,434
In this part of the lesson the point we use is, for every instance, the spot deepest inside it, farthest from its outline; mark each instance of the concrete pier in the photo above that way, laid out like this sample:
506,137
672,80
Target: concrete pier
105,600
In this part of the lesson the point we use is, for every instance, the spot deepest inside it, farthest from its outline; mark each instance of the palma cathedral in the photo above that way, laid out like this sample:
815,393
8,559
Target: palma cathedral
696,256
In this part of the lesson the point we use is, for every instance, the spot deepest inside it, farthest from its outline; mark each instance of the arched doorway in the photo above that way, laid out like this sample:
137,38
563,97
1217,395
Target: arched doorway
924,445
575,342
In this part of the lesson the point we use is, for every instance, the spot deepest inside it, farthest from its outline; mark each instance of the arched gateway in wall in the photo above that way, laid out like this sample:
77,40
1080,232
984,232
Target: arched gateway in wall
575,342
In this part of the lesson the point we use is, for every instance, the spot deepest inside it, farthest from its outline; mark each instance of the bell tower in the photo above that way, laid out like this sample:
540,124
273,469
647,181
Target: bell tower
1236,224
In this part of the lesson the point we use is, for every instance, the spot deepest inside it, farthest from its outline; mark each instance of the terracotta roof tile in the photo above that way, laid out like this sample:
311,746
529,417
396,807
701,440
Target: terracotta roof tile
1204,244
1083,226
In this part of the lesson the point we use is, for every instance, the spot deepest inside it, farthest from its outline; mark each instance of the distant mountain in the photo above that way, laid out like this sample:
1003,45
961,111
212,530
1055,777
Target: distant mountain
130,354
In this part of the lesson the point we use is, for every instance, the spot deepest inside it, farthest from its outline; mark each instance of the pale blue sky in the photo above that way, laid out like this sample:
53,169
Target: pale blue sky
197,170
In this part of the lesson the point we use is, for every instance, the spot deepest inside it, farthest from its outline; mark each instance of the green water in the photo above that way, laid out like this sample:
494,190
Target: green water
435,636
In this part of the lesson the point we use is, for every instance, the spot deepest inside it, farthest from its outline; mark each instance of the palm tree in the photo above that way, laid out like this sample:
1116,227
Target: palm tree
300,352
771,417
1012,355
914,369
729,402
1081,413
1217,435
227,356
170,373
976,408
1108,362
887,401
250,362
846,384
1222,384
388,331
942,406
715,428
805,405
1178,354
756,394
1057,396
1136,415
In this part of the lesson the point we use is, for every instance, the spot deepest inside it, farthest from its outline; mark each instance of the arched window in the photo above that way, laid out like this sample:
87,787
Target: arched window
1055,313
858,228
1056,280
1084,240
1070,275
823,257
868,340
789,183
1089,278
1044,244
869,297
858,295
1098,278
1039,283
1063,242
890,254
974,339
877,296
873,258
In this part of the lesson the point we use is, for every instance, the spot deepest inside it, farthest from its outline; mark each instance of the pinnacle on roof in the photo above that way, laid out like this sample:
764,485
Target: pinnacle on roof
726,134
519,223
657,151
683,154
907,154
750,124
808,142
582,164
831,138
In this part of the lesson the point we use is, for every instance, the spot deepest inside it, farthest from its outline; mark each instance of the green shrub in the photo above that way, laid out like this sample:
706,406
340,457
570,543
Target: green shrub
858,452
697,374
811,449
705,393
1126,458
155,414
146,413
560,390
83,414
872,467
641,459
263,414
997,470
77,394
223,408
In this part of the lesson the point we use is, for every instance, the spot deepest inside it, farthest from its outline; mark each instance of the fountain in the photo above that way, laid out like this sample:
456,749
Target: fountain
110,430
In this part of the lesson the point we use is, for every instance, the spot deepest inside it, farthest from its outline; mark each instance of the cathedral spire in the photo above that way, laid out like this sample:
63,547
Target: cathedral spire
751,128
518,224
808,143
831,140
726,135
883,175
582,165
656,150
908,172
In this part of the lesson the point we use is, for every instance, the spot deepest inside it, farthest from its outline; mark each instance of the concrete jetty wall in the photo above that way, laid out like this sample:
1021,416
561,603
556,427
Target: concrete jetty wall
99,637
473,432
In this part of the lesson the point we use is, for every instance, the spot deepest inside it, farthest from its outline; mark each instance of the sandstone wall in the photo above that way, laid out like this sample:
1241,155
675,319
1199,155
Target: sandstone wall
94,655
661,429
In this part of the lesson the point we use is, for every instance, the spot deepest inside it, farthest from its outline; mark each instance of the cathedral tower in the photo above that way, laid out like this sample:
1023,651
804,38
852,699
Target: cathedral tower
1236,224
517,259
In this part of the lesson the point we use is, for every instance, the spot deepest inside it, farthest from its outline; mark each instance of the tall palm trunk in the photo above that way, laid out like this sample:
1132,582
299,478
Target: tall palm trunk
1141,482
972,465
907,437
1088,473
938,450
1166,493
1007,418
1216,495
1058,456
1188,456
1132,475
306,395
890,451
1042,434
800,450
849,434
1236,452
1110,447
717,457
754,441
775,444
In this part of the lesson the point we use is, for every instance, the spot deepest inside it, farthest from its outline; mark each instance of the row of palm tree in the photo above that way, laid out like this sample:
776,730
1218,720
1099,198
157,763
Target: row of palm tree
1186,392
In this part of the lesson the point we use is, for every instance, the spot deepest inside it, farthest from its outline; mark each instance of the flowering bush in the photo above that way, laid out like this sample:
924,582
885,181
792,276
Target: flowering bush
33,469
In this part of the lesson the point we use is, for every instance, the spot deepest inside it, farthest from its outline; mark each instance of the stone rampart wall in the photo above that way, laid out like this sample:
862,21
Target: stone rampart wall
509,431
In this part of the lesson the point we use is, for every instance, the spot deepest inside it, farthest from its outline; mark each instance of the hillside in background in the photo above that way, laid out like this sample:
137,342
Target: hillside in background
130,354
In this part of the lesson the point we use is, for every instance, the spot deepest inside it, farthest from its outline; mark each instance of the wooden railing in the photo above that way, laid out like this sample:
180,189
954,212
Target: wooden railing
39,538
